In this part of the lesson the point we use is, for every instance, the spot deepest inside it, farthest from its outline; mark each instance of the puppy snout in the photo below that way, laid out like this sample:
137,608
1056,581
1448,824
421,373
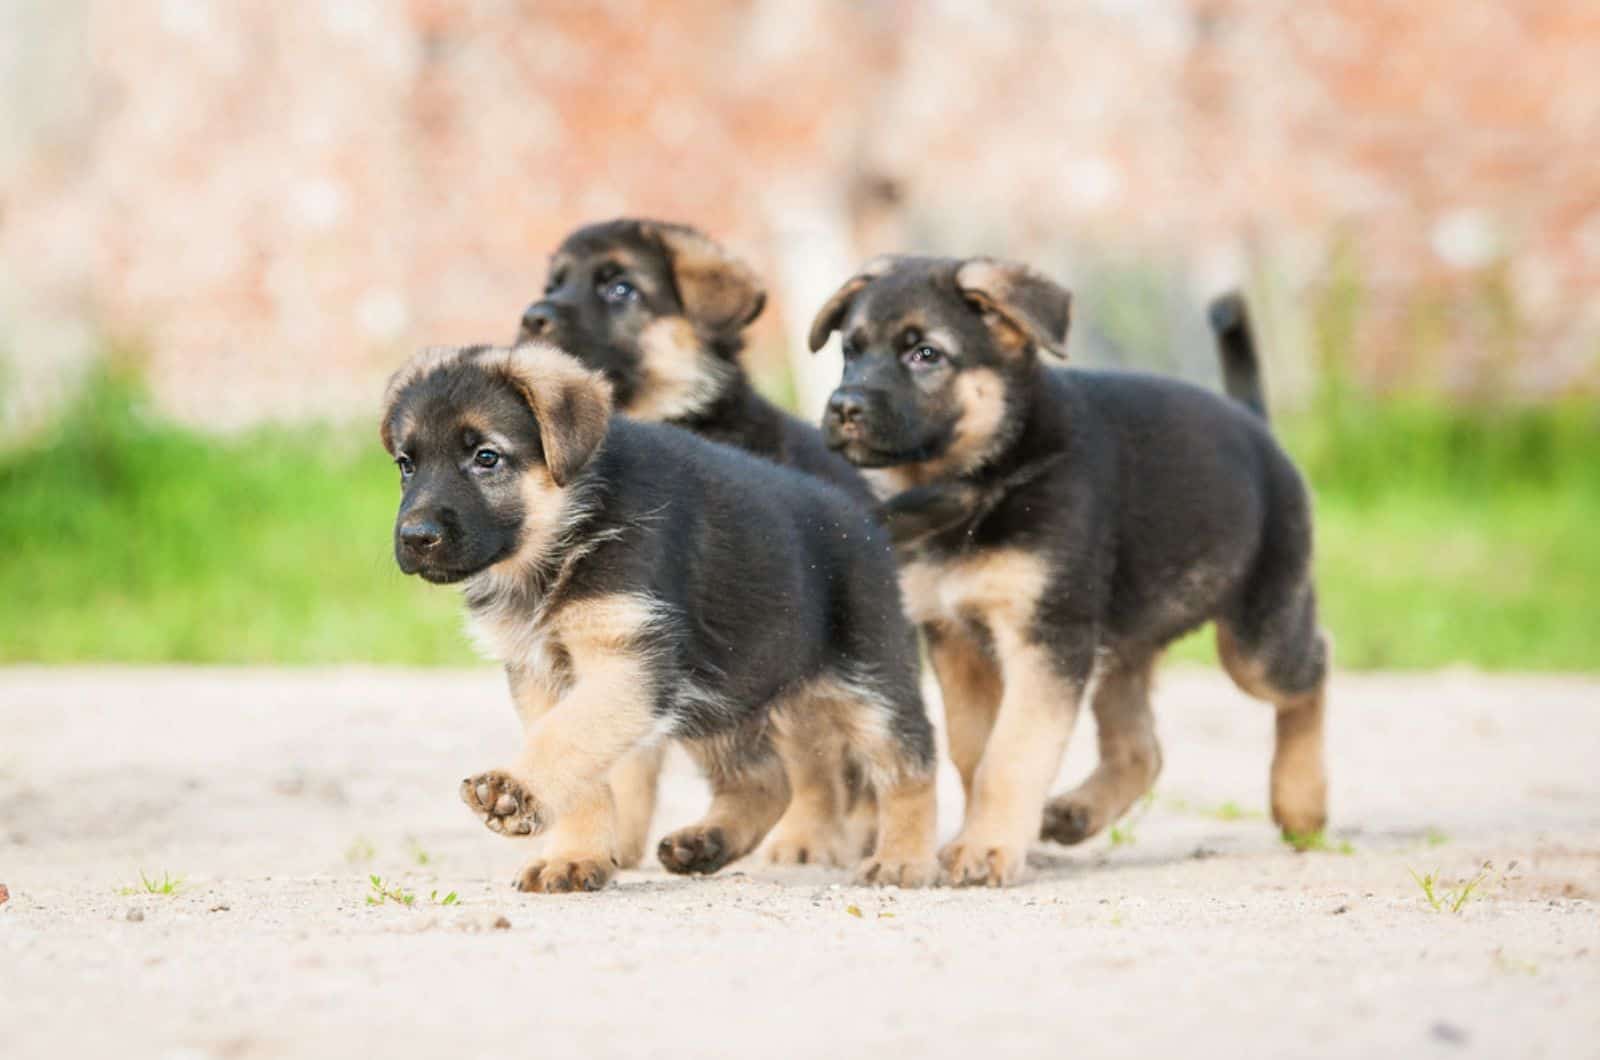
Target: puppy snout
538,321
421,536
846,408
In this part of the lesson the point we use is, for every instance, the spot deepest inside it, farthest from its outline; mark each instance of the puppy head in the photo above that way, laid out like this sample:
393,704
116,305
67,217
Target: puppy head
657,308
489,442
938,357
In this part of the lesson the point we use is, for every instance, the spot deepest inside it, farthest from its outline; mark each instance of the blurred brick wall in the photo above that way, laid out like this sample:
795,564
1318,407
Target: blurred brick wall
278,201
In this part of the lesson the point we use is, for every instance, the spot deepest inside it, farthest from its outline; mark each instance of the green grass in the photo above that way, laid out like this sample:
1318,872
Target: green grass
130,539
167,885
1443,536
1317,843
1454,899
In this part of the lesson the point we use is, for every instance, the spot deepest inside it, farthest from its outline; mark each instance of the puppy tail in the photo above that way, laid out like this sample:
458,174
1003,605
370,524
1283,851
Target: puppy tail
1241,368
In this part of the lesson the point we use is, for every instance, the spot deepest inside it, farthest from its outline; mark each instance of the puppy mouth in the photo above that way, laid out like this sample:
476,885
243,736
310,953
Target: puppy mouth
445,574
852,444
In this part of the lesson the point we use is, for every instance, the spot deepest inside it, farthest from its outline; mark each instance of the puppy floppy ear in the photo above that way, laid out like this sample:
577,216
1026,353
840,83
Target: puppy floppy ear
829,317
1032,308
718,291
571,404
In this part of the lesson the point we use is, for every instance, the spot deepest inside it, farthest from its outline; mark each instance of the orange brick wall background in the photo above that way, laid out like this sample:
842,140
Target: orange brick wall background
277,201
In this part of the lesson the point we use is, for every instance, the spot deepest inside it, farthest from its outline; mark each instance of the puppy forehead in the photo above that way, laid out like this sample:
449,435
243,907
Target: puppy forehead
622,241
920,299
451,403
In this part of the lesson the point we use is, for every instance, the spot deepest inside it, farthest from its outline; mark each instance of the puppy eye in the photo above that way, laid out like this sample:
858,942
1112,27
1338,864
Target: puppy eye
486,458
923,356
404,463
618,292
553,284
849,350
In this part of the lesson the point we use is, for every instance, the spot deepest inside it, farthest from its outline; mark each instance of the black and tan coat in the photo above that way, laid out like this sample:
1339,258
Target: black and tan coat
1057,529
636,594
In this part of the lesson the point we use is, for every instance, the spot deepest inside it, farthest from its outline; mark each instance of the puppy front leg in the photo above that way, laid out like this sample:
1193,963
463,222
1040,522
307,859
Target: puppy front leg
1042,689
605,714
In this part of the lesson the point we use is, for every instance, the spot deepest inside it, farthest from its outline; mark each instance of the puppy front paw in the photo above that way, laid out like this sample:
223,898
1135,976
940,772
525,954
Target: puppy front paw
881,871
503,803
974,861
559,875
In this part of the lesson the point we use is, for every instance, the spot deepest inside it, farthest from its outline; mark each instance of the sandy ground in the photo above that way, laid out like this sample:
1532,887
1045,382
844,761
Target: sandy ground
274,795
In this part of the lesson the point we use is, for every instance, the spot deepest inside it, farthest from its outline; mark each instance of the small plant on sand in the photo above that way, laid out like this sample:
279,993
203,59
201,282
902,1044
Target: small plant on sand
449,899
1122,833
1317,842
1454,899
418,854
382,892
167,884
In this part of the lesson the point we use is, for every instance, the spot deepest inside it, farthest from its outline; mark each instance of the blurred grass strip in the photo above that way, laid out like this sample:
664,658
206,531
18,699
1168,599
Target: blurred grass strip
1445,535
129,539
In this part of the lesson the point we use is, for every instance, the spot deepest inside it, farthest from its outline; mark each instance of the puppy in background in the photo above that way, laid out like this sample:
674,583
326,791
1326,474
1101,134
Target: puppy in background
635,594
660,309
1058,528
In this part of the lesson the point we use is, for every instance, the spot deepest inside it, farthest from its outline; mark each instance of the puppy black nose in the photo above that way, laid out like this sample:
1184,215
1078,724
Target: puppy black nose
846,406
538,319
421,536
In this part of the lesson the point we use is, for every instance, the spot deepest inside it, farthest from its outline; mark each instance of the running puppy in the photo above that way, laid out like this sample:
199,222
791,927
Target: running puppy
660,309
1057,529
639,584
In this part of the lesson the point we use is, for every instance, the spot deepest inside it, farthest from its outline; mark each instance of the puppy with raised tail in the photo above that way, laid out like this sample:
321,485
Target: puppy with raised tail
1058,528
641,584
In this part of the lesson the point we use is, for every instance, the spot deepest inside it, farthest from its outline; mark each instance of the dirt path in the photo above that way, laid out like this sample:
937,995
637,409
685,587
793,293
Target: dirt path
275,794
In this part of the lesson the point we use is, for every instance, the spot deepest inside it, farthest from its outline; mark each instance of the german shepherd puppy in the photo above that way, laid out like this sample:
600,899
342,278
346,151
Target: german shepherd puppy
1057,529
660,309
639,584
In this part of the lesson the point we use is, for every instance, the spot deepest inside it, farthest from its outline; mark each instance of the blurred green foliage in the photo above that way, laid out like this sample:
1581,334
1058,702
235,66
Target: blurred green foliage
129,539
1445,535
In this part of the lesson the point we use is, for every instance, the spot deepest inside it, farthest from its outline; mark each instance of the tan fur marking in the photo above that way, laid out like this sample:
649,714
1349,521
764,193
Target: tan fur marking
997,585
908,826
633,786
969,680
681,376
907,811
814,731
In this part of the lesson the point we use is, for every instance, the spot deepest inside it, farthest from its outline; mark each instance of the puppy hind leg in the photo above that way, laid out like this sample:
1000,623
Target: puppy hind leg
749,792
1284,660
1130,756
634,782
811,830
895,747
